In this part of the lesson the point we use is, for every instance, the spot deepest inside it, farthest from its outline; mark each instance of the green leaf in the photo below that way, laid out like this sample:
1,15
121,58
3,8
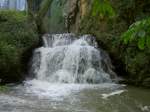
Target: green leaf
148,41
142,33
102,8
138,33
141,43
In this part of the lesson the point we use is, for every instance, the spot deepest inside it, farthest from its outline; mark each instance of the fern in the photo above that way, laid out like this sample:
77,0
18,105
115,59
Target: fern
138,32
102,8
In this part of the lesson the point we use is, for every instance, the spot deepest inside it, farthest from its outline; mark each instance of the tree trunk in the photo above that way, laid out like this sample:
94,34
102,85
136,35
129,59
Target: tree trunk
30,10
38,15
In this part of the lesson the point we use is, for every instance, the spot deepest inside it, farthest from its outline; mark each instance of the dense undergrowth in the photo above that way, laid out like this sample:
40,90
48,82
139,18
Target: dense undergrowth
17,37
123,29
136,41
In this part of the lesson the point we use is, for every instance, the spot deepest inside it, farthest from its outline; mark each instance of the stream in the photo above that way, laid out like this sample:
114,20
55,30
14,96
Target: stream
46,97
72,74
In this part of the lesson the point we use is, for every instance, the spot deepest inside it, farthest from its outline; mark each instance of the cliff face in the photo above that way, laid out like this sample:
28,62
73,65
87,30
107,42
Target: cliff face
66,15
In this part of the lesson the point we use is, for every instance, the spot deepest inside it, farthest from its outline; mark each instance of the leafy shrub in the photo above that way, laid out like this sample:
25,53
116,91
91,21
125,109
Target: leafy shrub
139,33
16,38
103,9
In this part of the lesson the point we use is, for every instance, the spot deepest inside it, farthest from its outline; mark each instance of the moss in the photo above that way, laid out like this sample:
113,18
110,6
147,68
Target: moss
16,38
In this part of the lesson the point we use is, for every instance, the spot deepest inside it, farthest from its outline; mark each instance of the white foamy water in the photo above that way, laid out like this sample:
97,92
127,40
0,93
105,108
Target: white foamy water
72,75
58,91
66,59
118,92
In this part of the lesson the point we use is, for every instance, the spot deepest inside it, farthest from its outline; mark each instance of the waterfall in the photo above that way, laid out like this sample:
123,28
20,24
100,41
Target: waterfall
21,4
13,4
65,58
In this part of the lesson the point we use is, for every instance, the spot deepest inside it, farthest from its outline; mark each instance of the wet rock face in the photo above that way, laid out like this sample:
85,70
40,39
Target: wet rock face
62,15
70,12
137,66
66,15
76,11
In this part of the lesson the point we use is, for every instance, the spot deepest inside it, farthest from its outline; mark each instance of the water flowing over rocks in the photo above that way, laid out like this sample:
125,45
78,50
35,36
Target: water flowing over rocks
66,58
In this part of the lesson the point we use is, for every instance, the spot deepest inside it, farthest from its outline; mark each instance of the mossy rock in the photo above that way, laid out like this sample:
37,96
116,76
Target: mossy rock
146,82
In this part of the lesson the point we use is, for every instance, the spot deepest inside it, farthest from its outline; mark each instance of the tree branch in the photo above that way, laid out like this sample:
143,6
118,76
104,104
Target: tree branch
30,9
38,16
44,8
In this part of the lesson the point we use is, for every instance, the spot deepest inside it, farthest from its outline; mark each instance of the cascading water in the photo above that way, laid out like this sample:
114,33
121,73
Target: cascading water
63,69
13,4
64,58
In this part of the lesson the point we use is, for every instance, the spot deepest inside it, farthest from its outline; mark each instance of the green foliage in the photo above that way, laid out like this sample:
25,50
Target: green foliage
8,54
139,33
16,37
12,16
128,60
102,8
